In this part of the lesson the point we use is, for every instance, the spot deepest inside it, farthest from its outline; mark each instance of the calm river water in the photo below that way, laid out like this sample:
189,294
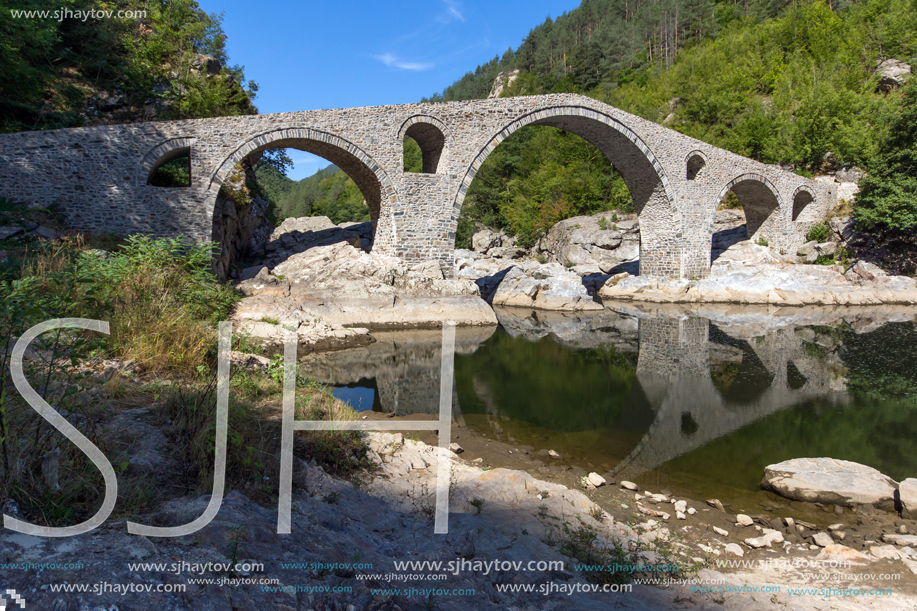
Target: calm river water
696,401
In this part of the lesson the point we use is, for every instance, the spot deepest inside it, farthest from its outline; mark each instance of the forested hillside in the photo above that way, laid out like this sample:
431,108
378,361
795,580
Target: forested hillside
790,83
328,192
167,60
795,83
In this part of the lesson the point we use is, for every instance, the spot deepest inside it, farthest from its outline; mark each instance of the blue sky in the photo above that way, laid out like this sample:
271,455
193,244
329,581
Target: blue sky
309,55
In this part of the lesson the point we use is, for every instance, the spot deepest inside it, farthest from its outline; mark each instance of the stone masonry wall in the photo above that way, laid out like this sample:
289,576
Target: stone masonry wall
97,176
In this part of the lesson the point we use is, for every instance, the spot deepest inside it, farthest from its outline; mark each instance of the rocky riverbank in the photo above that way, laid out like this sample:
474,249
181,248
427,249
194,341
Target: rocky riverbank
319,280
347,540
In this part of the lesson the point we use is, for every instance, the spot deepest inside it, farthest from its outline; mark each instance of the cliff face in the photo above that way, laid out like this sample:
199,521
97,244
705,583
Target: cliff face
239,222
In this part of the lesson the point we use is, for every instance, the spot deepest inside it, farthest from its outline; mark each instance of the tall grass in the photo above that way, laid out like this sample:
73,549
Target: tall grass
163,305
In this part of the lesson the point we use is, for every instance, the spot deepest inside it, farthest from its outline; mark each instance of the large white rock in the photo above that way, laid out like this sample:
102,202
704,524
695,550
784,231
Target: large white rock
908,491
828,480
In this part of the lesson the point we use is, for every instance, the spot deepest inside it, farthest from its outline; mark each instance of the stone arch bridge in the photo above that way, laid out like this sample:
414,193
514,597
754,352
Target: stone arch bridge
99,177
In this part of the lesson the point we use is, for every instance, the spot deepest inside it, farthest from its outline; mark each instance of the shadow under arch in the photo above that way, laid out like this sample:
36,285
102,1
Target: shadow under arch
761,203
650,189
368,175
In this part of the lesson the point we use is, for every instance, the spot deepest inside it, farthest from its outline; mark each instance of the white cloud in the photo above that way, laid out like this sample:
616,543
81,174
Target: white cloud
390,60
453,9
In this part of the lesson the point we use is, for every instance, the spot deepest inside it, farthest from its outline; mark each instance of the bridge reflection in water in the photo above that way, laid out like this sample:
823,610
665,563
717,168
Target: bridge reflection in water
683,379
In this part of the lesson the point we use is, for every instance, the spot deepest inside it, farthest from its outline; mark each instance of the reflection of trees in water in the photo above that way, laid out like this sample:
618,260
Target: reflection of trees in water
544,383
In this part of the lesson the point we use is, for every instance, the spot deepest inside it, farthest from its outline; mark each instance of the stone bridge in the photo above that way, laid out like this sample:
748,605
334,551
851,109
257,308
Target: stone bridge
673,371
99,177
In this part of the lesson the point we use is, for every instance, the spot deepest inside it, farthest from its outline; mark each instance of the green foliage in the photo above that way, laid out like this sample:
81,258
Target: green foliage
818,232
329,192
175,173
779,82
536,177
888,194
61,72
413,157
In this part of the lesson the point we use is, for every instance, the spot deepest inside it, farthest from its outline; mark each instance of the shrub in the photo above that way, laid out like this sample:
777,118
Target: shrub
818,233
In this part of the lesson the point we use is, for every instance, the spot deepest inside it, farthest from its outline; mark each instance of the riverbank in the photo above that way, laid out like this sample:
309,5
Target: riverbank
319,279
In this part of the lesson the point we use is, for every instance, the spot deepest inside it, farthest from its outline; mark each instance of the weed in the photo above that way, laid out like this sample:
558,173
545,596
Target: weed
235,540
603,223
818,232
597,514
762,241
477,503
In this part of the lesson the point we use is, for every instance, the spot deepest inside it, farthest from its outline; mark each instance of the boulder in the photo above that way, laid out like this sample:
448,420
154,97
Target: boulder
842,228
604,240
892,74
828,480
900,539
907,491
806,249
826,249
823,539
483,241
9,231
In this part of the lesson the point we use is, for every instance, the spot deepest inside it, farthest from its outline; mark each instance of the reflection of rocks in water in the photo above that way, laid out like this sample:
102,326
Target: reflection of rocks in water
405,365
576,330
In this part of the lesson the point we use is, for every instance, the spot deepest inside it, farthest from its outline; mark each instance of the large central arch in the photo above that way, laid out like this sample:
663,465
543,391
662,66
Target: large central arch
368,175
650,189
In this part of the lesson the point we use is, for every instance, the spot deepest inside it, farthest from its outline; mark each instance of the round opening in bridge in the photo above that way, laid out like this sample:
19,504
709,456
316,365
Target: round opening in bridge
423,148
688,424
802,199
172,169
695,164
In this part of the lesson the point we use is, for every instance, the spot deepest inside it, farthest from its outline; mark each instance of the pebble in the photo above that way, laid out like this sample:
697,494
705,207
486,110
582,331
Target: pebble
629,486
720,531
744,520
734,548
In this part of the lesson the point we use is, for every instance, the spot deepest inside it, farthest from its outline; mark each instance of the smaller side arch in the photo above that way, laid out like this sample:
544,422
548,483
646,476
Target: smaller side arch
761,203
695,161
162,154
430,134
802,197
